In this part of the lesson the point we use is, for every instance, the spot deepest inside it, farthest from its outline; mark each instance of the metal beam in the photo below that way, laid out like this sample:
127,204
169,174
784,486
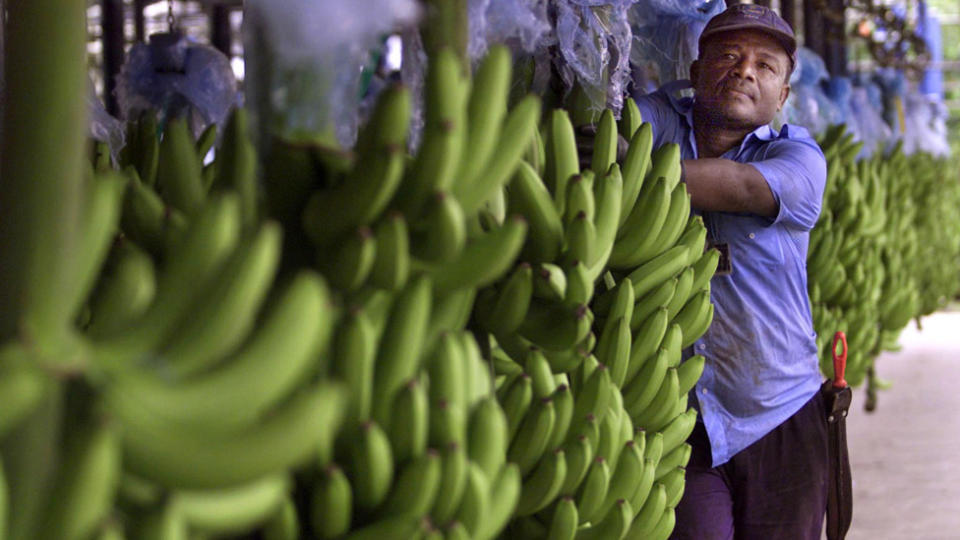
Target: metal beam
112,38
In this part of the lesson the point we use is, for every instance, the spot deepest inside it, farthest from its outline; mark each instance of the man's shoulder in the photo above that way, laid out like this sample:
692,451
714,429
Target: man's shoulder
668,96
789,139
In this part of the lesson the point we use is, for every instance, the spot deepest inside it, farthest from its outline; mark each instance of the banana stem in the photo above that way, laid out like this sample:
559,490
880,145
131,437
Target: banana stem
41,163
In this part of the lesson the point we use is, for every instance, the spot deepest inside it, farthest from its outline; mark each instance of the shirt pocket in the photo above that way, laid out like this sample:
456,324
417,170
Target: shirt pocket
752,240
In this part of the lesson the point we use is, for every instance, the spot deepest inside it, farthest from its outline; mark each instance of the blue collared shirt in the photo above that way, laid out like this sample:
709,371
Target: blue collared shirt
761,354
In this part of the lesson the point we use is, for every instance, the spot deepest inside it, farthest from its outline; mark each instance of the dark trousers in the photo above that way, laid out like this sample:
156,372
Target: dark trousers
774,489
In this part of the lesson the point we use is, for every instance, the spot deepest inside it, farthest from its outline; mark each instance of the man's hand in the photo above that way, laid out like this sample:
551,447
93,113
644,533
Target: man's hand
585,135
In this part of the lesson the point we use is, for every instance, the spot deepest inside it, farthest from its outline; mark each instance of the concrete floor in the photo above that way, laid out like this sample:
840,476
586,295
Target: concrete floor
905,456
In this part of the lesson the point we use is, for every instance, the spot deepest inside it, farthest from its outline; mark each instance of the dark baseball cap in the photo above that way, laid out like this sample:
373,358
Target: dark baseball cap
753,17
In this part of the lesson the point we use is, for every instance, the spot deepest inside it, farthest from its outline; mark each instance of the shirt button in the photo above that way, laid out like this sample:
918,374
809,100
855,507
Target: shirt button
752,236
703,390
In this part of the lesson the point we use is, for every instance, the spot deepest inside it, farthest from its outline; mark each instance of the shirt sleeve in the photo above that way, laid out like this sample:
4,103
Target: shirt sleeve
654,108
796,172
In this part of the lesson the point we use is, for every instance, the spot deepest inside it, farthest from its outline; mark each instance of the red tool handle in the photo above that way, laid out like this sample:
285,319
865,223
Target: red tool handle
839,360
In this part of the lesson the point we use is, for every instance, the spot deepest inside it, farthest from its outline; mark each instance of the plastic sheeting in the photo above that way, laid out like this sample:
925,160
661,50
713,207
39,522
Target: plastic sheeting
306,58
177,77
665,36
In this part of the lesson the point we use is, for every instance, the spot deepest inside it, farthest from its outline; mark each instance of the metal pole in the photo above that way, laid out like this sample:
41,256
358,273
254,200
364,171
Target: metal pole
788,10
813,27
139,20
220,35
112,26
836,40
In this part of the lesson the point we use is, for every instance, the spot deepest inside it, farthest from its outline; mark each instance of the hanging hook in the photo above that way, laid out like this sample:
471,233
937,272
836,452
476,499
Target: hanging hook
170,19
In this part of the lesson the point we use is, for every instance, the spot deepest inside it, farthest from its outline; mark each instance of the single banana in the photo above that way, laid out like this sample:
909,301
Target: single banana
665,162
630,120
536,366
578,454
689,372
648,516
444,134
515,136
488,436
278,356
234,509
555,326
580,197
351,261
613,524
646,342
512,301
580,284
528,196
678,457
284,523
391,267
682,293
641,391
665,525
475,505
704,268
544,483
637,236
593,491
504,498
530,441
97,229
454,471
484,259
486,109
563,406
84,490
442,232
635,165
663,402
372,183
410,422
658,269
613,350
626,477
352,359
178,171
609,200
695,236
125,290
331,503
449,313
581,239
593,398
644,485
549,282
563,524
22,386
174,456
371,465
396,528
448,424
236,166
649,303
415,488
399,352
605,144
190,268
225,315
562,158
695,317
674,484
672,341
676,221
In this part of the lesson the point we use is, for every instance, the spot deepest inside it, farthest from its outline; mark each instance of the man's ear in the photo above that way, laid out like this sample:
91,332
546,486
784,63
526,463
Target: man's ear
694,71
784,93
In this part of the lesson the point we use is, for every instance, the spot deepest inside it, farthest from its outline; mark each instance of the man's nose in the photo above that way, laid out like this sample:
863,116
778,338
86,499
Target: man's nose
744,69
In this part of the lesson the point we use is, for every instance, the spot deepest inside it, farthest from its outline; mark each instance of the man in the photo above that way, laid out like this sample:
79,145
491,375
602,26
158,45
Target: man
759,462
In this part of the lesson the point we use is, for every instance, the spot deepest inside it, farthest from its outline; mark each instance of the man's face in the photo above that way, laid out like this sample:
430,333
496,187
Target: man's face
741,78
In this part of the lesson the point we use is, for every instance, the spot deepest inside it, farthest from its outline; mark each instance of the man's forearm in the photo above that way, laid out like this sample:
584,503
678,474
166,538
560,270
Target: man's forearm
723,185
